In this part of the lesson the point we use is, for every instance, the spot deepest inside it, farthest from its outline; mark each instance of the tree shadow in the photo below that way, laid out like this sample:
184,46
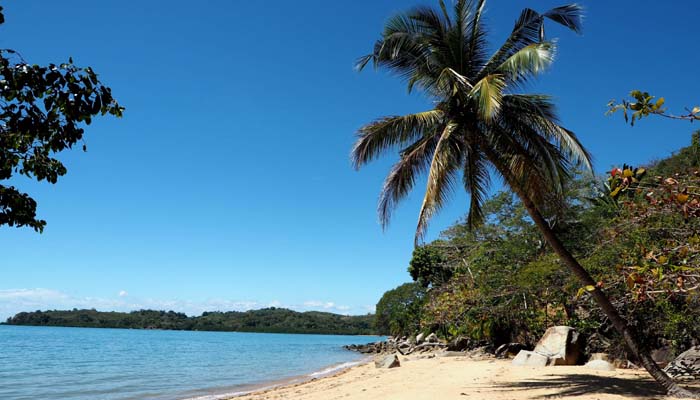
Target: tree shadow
583,384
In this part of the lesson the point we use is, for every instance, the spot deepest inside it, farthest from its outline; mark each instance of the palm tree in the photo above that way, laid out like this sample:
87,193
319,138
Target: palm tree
480,125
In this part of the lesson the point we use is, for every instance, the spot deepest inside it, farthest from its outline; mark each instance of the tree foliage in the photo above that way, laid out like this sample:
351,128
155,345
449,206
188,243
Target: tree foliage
642,105
638,232
398,312
43,111
271,320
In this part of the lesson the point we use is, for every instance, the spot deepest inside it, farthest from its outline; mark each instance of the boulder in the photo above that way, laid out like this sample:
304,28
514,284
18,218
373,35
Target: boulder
600,365
686,365
527,358
562,345
460,343
432,338
390,361
420,337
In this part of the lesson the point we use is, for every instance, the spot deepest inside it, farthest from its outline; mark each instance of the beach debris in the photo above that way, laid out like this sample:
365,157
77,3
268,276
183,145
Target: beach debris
390,361
420,337
432,338
526,358
686,365
507,350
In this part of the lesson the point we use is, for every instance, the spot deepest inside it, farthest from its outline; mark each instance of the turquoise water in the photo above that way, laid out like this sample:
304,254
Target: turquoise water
48,363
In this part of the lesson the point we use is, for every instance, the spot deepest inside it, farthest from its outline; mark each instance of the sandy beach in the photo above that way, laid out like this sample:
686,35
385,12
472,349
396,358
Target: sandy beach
465,378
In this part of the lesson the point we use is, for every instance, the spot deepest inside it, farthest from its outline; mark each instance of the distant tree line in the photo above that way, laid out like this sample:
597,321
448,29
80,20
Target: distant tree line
270,320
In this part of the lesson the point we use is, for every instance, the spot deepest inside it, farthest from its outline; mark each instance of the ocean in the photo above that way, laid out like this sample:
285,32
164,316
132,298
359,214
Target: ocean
51,363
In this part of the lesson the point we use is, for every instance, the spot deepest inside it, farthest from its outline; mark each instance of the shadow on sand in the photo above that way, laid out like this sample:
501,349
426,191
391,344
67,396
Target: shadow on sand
585,384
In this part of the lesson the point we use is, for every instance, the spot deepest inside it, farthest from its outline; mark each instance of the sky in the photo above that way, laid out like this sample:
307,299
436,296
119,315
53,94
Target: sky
227,184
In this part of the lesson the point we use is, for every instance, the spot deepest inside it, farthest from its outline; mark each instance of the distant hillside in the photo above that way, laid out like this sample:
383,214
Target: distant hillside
271,320
680,161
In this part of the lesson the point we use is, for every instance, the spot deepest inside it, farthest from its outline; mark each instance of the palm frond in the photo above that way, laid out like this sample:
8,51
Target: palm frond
529,29
450,82
442,177
537,112
385,133
413,162
527,62
570,16
476,181
487,94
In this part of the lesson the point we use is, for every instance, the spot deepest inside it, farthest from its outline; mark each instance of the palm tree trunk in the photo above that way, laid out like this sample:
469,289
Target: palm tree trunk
610,311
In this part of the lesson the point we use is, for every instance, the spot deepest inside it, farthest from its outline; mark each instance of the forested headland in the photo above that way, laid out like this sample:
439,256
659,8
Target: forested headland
268,320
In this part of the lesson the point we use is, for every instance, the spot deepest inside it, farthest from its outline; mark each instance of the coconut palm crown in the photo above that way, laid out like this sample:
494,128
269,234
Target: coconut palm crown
480,123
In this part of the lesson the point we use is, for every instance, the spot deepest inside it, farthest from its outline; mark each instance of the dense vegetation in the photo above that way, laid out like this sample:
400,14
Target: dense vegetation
637,231
271,320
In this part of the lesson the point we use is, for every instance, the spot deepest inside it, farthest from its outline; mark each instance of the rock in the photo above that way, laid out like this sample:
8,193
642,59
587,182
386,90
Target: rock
509,349
419,338
686,365
599,356
432,338
562,345
390,361
480,353
662,356
600,365
460,343
527,358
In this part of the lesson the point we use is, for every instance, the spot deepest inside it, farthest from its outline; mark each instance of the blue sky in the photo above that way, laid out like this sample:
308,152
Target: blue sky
227,184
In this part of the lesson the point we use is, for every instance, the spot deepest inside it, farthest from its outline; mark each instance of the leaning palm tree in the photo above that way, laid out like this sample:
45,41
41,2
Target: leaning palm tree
480,125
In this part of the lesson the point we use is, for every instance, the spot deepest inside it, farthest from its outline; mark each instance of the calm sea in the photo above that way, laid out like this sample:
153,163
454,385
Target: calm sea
47,363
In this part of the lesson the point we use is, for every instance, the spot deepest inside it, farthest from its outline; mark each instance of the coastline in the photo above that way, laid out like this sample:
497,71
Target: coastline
330,371
424,377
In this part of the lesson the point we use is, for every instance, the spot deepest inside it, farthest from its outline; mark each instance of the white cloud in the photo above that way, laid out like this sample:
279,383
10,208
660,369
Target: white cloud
13,301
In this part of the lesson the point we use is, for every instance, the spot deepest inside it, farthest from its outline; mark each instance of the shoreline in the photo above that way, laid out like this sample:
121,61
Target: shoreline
460,377
329,371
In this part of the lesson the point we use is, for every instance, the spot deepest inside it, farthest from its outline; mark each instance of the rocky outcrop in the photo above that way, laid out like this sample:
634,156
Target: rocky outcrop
373,348
460,343
560,345
390,361
686,365
404,346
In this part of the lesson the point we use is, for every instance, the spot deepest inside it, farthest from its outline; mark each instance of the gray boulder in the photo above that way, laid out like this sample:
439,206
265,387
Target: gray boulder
562,345
460,343
686,365
390,361
527,358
